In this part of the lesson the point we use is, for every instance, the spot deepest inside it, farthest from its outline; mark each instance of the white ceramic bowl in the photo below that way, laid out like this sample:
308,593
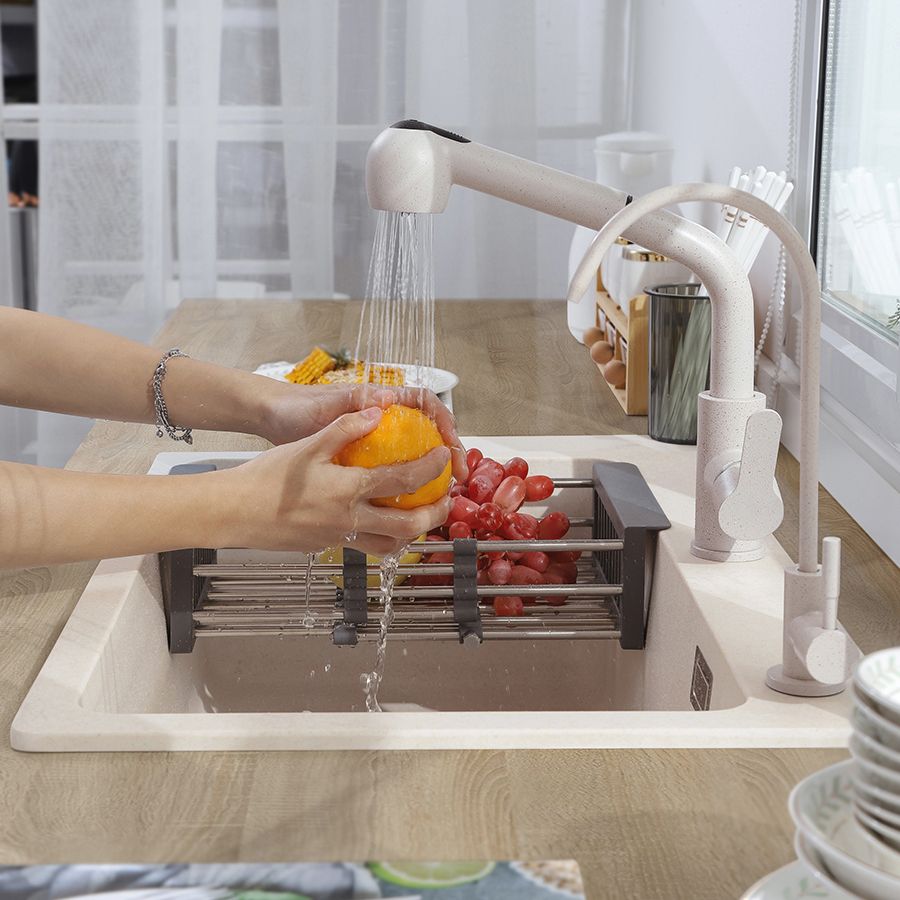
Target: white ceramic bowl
878,678
874,724
873,749
874,773
822,808
882,813
881,831
812,861
875,795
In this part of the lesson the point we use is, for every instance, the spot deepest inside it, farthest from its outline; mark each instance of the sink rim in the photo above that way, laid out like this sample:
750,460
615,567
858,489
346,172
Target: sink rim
763,719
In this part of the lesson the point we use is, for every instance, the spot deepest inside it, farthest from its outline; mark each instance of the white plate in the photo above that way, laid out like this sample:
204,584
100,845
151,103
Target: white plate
873,749
812,862
439,380
792,880
162,893
873,772
876,725
878,677
822,808
875,796
881,831
884,813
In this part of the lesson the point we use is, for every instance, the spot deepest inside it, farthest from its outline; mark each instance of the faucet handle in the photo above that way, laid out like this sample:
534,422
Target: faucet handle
750,506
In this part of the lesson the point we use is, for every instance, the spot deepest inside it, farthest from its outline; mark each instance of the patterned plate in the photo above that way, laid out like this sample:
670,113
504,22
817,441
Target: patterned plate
792,882
878,677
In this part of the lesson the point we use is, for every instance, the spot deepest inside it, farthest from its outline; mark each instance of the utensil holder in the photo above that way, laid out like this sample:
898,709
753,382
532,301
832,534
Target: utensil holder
680,321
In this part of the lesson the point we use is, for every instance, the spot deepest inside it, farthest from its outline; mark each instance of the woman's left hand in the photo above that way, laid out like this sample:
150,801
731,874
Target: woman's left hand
297,411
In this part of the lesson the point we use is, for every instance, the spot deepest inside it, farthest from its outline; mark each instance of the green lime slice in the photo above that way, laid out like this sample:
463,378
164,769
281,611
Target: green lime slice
431,874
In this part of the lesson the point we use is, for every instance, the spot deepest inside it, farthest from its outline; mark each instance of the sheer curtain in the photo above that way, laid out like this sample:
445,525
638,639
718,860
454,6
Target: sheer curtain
201,148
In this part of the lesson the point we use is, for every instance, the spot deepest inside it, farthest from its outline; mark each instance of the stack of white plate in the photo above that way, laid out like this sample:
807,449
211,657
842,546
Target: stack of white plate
848,815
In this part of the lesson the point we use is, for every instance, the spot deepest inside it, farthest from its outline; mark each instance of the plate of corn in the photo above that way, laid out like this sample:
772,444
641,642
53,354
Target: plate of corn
321,366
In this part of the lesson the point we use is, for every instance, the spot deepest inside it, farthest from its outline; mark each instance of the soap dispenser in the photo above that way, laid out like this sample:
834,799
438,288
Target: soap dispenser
633,161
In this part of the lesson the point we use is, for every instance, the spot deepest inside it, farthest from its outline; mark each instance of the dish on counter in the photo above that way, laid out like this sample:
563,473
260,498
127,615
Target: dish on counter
812,863
440,381
822,808
877,679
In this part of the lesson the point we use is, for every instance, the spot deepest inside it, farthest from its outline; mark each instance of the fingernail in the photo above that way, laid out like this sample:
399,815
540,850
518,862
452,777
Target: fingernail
373,413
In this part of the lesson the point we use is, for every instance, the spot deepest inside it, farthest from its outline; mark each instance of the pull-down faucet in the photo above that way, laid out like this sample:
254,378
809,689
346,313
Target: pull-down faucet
411,167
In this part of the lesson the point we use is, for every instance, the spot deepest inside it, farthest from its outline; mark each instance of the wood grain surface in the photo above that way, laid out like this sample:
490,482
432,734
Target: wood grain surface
643,824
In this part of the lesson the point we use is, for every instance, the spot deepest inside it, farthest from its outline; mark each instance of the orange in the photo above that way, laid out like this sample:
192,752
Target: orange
402,435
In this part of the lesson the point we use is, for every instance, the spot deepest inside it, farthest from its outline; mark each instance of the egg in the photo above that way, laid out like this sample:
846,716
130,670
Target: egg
602,352
592,335
614,373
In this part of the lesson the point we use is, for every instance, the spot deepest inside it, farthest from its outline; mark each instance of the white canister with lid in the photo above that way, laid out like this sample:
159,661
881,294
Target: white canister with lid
641,268
633,161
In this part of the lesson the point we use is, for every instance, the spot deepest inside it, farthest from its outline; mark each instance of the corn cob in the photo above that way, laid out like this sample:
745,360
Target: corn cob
309,370
356,373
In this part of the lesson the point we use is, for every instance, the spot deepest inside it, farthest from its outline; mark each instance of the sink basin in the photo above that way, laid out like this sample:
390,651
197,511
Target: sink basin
109,682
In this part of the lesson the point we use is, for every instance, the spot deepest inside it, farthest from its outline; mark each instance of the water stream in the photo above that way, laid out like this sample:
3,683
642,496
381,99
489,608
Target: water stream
397,327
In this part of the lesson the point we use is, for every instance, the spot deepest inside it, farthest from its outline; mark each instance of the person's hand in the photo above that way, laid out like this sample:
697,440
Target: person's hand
297,411
293,497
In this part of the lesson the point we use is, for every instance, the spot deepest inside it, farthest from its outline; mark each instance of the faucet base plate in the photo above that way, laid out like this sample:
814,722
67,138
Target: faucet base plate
746,555
800,687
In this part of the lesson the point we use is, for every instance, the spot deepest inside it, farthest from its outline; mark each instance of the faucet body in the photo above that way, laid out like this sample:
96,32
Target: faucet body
411,168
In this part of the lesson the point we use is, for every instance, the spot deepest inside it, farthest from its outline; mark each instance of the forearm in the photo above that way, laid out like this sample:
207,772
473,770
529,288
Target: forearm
52,364
56,516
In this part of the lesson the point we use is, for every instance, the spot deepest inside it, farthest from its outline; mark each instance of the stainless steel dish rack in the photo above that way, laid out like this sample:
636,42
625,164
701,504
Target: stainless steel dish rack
610,598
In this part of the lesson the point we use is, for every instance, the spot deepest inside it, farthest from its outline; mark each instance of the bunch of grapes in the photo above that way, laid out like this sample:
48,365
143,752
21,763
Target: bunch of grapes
487,507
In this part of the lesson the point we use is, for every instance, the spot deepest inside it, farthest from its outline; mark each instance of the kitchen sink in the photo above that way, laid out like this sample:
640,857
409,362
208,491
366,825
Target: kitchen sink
110,683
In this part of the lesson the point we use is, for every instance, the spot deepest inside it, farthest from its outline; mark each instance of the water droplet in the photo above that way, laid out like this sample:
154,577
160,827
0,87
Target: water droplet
327,667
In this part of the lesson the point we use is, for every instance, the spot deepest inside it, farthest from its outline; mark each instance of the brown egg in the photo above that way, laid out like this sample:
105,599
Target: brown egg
592,335
602,352
614,373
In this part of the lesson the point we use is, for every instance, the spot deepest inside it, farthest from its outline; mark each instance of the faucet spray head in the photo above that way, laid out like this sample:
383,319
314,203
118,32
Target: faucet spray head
409,167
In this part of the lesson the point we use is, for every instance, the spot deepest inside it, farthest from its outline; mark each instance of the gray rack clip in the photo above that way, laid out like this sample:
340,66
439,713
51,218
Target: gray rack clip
465,589
353,598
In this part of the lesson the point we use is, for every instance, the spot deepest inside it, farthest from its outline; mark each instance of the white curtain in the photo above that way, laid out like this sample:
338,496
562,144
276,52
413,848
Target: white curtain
199,148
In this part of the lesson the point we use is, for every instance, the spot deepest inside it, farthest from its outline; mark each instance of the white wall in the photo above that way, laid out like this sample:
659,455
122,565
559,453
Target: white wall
714,76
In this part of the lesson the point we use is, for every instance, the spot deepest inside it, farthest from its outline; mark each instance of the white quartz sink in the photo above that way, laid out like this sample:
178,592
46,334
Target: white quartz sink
110,684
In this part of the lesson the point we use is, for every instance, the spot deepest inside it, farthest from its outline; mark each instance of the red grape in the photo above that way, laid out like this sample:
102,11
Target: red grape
529,525
516,466
500,572
538,487
567,572
462,509
509,605
442,558
536,560
510,493
524,575
514,556
496,555
489,517
473,457
553,526
458,490
553,577
511,527
480,489
432,536
460,530
491,469
564,556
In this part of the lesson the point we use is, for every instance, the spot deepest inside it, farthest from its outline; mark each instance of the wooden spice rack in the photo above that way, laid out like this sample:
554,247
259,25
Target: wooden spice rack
629,337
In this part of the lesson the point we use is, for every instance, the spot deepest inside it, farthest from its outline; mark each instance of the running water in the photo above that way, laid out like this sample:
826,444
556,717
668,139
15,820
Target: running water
397,327
397,324
309,620
371,681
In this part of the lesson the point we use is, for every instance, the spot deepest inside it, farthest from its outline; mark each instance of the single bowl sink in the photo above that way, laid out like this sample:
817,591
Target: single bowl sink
110,683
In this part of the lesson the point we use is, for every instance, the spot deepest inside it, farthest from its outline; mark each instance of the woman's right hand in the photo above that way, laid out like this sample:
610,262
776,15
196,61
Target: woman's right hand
293,497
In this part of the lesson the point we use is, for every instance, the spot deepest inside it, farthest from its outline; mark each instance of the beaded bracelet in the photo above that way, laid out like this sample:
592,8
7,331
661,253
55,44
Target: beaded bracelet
163,425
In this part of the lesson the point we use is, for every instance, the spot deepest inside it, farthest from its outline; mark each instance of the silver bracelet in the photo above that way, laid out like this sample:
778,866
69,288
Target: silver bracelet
175,432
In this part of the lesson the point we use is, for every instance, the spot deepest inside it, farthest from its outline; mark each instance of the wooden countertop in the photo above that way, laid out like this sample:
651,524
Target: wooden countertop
642,823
